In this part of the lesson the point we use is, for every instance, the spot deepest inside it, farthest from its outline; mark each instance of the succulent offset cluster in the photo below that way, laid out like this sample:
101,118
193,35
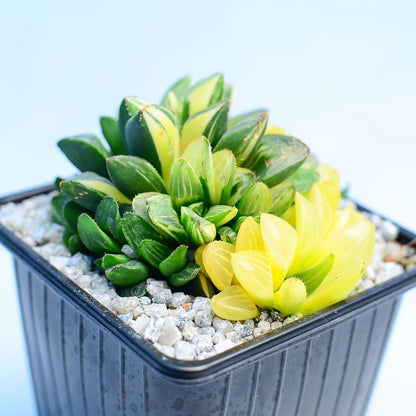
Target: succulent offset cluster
178,176
292,269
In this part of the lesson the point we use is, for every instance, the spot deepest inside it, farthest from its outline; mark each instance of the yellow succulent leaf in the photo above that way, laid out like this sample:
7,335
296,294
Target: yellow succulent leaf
280,242
198,257
107,189
321,204
233,304
355,241
310,234
290,296
273,129
337,285
327,173
252,270
249,236
290,216
216,258
332,194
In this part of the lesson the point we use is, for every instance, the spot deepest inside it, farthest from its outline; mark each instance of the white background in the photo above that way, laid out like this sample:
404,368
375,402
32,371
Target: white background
338,75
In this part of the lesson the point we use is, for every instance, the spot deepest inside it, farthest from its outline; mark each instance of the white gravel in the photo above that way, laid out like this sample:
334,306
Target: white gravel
179,325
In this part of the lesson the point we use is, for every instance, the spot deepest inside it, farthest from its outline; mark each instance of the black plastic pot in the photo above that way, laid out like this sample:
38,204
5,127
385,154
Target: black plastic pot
86,361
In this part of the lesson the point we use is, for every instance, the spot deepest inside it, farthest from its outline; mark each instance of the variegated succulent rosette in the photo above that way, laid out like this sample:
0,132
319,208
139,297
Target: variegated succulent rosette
230,208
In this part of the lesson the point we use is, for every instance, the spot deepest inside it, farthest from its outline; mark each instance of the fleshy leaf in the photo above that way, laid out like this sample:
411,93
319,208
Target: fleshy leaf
175,262
199,156
326,173
243,179
252,270
337,285
310,232
283,196
108,217
199,230
203,94
109,127
153,135
257,199
187,274
134,175
303,179
314,276
185,186
128,274
88,189
233,304
217,263
154,252
110,260
322,207
280,242
129,107
210,122
86,152
94,238
220,214
163,216
290,296
249,236
224,164
228,235
276,158
243,137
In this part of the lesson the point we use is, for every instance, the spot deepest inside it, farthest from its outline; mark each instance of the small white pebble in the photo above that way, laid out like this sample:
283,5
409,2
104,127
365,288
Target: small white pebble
203,318
169,334
223,346
185,351
140,324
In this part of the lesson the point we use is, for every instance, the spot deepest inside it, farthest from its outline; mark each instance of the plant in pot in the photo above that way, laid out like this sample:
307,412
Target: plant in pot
202,231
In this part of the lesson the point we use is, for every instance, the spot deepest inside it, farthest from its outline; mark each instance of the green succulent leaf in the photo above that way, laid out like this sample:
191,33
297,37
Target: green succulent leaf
57,182
243,137
137,291
200,286
180,88
72,211
134,175
198,208
224,167
276,158
210,122
203,94
311,162
153,135
88,189
228,92
107,216
57,208
154,252
74,243
283,198
94,238
136,229
128,274
129,107
175,262
245,116
183,277
220,214
185,186
86,152
243,179
199,156
171,101
200,230
110,260
109,127
227,234
256,199
163,216
303,179
313,276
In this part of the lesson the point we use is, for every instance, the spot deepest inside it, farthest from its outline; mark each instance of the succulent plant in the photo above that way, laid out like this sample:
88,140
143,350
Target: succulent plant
175,177
292,269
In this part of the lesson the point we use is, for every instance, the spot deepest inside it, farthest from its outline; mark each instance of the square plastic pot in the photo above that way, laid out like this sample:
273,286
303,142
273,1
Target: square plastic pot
86,361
